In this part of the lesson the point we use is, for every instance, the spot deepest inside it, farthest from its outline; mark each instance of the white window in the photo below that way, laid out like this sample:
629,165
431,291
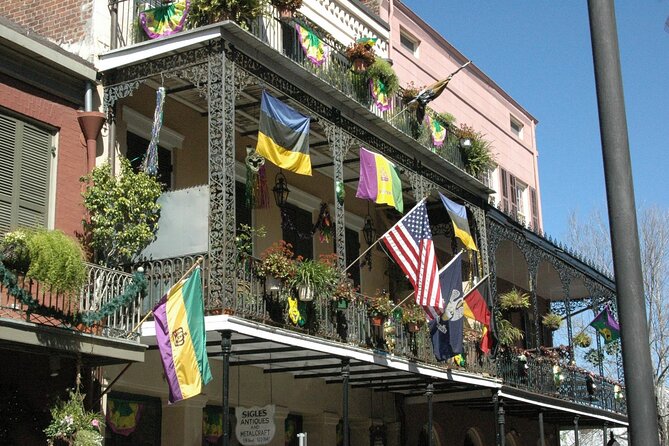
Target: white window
409,42
516,127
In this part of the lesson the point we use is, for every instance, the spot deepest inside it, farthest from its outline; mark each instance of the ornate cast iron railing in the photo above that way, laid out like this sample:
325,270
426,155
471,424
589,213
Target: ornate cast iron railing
103,285
261,300
282,36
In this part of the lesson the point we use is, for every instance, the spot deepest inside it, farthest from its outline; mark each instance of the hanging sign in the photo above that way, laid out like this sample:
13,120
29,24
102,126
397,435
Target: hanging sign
255,425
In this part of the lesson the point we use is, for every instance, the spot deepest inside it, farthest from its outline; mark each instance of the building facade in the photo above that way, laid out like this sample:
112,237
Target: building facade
337,377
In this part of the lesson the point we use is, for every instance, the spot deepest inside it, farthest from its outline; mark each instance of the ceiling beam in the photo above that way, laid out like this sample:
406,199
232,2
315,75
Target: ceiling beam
280,360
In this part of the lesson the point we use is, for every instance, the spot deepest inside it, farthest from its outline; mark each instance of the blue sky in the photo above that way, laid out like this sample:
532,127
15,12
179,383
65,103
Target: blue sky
539,51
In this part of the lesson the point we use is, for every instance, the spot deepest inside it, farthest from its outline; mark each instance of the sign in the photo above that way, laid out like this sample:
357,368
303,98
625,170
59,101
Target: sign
255,425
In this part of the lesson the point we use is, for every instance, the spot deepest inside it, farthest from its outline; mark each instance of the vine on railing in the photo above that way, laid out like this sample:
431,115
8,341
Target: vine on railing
10,281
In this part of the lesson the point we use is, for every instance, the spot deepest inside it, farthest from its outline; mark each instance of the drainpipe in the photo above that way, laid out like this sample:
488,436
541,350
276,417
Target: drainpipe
91,123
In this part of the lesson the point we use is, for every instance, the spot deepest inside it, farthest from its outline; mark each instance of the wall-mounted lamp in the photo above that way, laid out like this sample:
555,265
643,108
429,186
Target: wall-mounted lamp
280,190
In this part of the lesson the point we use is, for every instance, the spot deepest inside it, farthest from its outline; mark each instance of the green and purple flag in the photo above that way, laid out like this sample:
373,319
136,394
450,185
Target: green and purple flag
181,338
606,326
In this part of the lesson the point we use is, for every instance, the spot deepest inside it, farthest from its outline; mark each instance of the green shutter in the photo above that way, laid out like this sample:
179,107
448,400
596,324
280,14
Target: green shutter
25,157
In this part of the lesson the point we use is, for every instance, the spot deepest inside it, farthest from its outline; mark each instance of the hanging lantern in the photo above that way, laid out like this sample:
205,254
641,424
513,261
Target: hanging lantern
368,230
280,190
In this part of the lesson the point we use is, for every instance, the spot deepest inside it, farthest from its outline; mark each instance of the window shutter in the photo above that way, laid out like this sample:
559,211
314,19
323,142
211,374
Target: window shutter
514,196
34,177
25,158
535,209
505,189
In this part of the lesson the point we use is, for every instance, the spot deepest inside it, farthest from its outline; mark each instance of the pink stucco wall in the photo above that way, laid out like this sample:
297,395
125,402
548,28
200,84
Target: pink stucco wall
472,97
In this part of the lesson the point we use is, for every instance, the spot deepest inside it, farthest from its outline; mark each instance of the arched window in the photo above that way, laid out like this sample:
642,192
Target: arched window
473,438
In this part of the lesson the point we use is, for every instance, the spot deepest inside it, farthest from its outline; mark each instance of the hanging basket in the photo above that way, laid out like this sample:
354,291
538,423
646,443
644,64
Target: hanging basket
360,65
376,321
413,327
305,293
342,304
285,15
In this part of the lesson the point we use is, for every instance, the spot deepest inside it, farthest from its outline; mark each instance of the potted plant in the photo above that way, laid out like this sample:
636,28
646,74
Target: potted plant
14,251
361,56
379,307
410,91
551,321
413,317
122,213
242,12
286,8
582,340
244,242
277,262
72,424
49,257
314,278
344,293
477,152
514,300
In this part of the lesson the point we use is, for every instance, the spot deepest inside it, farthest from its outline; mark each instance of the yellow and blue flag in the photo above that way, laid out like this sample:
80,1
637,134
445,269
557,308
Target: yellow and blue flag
181,338
283,136
458,215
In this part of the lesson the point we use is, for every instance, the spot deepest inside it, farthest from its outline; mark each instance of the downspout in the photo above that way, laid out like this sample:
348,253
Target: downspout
91,123
391,11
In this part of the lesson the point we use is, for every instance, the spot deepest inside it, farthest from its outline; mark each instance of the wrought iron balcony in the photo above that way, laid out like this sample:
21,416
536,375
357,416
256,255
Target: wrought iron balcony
41,306
258,300
336,70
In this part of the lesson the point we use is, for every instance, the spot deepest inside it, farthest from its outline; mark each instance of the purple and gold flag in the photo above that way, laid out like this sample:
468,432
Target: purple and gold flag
312,45
606,326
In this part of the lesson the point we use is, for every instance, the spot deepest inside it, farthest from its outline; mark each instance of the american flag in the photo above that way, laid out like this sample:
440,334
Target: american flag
410,243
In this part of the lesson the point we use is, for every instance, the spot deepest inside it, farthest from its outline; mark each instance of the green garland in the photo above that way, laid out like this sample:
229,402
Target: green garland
89,318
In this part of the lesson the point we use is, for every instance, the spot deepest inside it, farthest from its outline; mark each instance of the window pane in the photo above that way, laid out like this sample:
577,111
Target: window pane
297,231
136,150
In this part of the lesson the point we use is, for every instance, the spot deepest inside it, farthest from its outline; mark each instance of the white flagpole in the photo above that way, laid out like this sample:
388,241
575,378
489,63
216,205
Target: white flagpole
384,234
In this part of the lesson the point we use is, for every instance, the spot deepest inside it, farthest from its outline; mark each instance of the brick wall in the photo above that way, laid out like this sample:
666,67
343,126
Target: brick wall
71,159
58,20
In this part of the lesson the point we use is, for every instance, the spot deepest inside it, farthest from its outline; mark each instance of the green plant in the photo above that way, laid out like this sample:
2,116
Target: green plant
277,261
319,275
594,357
413,314
363,51
73,424
582,340
122,211
287,5
507,334
244,240
345,290
380,304
514,300
445,118
382,70
478,156
551,321
410,91
51,257
205,12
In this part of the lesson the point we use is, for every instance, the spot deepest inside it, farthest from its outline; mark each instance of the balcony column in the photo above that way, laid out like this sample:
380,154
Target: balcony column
605,433
576,443
533,272
345,373
542,441
482,239
498,414
226,349
429,392
340,143
225,81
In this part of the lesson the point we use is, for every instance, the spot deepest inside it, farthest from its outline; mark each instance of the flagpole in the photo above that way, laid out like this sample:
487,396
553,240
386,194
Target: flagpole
384,234
450,76
193,266
476,286
440,271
